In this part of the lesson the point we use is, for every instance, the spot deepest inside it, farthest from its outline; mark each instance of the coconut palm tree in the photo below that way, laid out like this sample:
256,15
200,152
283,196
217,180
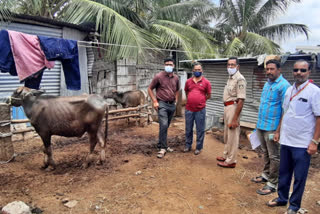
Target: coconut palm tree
243,27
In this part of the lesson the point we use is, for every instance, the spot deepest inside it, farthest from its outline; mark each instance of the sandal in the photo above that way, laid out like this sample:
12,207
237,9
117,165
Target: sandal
161,153
259,179
169,149
268,188
274,203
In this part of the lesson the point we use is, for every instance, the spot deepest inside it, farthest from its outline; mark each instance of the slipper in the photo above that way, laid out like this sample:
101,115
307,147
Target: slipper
266,187
259,179
161,153
170,149
274,203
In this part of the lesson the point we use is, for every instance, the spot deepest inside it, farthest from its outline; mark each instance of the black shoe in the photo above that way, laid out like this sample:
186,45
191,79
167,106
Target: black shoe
187,149
197,152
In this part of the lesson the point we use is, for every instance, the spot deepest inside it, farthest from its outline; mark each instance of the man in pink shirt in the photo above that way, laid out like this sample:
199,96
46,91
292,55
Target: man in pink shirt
198,91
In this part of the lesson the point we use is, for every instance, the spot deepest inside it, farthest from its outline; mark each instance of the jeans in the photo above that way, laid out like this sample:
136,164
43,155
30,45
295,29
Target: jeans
293,161
165,115
271,152
199,118
67,52
7,63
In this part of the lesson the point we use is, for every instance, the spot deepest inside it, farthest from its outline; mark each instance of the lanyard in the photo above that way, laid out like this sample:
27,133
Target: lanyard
298,91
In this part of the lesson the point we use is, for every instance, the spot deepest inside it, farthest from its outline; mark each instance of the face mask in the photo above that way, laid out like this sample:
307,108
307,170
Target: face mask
197,73
232,71
168,69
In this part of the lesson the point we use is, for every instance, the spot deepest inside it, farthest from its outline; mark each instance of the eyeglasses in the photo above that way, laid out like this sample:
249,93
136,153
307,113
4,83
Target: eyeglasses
303,70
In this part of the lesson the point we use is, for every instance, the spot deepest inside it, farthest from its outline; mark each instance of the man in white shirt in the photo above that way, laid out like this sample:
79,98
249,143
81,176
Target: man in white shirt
299,133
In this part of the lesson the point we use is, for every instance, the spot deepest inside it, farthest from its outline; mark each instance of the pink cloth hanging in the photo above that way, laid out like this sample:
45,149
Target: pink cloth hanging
28,55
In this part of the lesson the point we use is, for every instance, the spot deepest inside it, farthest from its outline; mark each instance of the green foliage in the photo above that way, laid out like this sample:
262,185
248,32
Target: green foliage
240,28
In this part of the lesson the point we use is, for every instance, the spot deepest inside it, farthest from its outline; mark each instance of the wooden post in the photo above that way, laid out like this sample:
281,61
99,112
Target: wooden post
6,146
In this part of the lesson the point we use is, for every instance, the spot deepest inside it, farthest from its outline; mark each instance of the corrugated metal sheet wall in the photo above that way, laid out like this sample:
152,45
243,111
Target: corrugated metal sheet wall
51,78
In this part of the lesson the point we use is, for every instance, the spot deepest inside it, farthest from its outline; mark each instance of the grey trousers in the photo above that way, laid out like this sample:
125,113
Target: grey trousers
165,115
271,152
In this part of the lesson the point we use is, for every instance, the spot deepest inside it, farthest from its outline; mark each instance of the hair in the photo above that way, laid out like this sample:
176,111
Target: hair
168,60
304,61
195,64
236,58
274,61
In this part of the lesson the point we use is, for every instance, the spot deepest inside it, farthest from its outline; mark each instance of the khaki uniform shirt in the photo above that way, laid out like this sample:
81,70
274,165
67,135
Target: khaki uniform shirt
235,88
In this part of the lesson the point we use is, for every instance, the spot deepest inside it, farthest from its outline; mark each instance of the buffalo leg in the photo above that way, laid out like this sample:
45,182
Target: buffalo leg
48,160
102,142
93,142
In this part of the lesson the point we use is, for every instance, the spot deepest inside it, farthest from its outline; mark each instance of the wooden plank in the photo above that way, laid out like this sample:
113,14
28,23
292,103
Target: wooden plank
20,121
248,125
23,130
124,116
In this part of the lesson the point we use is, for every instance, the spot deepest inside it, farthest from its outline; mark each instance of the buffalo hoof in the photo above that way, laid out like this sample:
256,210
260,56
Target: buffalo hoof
85,165
44,167
99,162
50,169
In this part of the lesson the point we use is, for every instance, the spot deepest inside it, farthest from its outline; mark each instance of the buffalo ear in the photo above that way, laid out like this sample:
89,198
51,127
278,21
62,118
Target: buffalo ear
19,90
38,92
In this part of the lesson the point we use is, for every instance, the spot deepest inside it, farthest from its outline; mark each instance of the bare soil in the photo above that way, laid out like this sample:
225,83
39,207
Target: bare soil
133,180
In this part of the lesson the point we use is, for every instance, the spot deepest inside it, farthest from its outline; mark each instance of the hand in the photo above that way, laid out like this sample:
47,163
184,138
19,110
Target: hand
276,137
312,148
156,105
233,124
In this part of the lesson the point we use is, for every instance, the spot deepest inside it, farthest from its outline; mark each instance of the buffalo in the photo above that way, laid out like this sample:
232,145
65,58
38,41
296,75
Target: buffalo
64,116
128,98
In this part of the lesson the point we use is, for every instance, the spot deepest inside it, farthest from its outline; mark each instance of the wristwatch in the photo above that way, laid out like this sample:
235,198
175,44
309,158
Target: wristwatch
315,142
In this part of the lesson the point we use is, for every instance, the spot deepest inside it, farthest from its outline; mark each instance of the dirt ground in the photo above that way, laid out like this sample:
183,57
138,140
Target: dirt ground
133,180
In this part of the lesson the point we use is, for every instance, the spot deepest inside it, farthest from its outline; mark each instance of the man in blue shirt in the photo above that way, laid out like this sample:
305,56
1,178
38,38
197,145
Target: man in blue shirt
270,113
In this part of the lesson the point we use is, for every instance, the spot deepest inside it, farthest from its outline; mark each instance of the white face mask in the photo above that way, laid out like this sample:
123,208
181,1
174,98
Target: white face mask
168,69
232,71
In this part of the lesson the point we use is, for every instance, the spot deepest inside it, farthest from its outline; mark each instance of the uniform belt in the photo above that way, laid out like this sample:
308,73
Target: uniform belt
230,102
168,102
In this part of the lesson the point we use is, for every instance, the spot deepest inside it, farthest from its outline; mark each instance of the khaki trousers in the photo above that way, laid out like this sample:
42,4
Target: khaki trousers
231,136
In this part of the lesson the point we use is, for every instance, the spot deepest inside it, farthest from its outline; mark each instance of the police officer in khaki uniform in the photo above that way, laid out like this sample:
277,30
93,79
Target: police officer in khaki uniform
233,97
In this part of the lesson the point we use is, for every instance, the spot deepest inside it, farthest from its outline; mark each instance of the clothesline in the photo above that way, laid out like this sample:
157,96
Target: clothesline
90,43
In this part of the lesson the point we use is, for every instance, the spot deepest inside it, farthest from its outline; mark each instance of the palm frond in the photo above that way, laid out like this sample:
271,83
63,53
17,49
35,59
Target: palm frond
234,48
114,28
124,10
169,38
272,8
257,44
231,13
247,11
283,31
183,11
199,42
4,14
